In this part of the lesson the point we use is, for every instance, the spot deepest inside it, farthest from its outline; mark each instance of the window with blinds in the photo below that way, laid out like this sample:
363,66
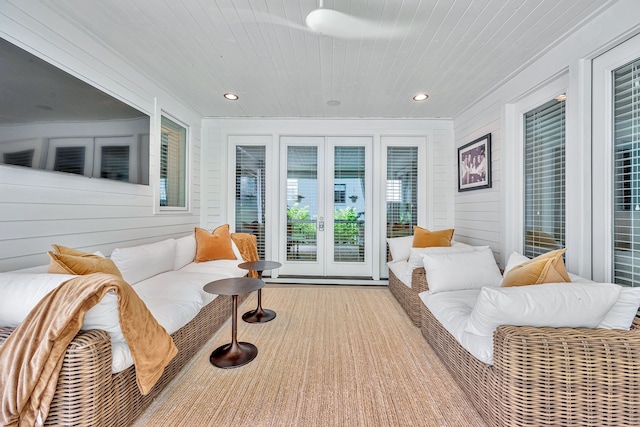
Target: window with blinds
19,158
173,164
626,174
70,160
402,190
250,192
544,178
115,162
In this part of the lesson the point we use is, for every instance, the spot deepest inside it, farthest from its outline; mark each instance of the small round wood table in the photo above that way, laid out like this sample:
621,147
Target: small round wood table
235,353
259,315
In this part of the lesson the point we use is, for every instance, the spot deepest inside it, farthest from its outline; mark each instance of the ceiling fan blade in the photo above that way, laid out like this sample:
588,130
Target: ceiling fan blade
332,23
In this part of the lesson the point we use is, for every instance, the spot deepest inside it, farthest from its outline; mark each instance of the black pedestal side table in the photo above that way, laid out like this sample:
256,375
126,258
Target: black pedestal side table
235,353
259,315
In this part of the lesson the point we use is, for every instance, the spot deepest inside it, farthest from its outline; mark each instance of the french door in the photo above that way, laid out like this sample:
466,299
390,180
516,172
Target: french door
325,206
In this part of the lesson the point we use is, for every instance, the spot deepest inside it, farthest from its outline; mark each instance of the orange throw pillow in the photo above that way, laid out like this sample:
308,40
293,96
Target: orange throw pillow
423,238
546,268
214,245
59,249
62,263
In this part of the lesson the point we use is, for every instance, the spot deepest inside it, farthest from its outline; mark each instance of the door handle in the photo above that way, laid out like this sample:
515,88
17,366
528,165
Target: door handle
321,223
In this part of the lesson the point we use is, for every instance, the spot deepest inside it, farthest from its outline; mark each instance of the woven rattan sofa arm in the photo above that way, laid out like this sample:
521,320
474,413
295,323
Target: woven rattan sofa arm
84,392
419,280
568,376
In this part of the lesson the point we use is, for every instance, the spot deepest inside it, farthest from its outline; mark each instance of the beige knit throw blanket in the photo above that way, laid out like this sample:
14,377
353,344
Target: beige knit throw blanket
32,356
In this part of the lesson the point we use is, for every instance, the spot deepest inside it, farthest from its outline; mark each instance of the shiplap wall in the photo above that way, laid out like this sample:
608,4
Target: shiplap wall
486,216
478,213
439,151
39,208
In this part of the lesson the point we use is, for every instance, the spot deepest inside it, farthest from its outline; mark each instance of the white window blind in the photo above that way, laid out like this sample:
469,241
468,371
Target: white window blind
626,174
544,177
173,164
70,160
250,192
115,163
349,204
402,190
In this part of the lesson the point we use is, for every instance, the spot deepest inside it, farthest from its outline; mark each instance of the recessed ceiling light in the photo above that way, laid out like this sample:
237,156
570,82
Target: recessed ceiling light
420,97
231,96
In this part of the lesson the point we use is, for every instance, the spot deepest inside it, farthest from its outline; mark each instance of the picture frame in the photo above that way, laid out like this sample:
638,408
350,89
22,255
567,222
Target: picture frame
474,164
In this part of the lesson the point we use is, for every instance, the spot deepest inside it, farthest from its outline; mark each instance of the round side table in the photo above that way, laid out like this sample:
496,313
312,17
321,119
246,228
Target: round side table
259,315
235,353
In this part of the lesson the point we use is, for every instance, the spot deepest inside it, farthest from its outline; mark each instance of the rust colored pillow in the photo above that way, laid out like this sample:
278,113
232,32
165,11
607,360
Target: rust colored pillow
546,268
62,263
214,245
423,238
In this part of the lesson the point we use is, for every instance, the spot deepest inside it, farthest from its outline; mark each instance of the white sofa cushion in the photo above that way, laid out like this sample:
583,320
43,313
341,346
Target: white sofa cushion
461,270
514,259
399,247
21,293
185,251
553,305
623,311
141,262
452,310
415,254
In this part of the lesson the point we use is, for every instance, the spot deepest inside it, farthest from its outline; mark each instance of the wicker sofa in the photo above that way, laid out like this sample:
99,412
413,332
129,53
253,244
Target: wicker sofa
548,376
89,393
407,296
540,376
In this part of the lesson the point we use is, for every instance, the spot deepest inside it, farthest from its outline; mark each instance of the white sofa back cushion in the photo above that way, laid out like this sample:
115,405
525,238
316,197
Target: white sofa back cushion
415,254
185,251
553,305
141,262
399,247
623,311
21,293
461,270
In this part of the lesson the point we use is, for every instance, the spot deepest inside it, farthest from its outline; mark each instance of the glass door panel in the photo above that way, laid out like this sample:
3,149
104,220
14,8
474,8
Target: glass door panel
302,219
302,203
349,204
250,193
348,199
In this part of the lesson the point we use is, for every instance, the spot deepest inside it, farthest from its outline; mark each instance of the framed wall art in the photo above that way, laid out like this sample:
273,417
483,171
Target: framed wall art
474,164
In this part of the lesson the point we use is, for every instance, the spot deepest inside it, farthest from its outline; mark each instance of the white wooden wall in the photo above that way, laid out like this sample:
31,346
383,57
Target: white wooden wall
487,216
39,208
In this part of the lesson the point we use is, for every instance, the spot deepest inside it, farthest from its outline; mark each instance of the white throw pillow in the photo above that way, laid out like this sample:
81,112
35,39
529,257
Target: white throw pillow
415,254
399,247
554,305
623,311
514,259
22,292
185,251
461,270
141,262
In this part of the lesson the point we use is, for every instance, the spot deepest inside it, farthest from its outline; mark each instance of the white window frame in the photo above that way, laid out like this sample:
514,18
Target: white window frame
514,158
187,160
602,233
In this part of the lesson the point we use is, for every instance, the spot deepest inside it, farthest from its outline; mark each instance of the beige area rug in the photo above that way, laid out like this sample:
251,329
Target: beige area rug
333,356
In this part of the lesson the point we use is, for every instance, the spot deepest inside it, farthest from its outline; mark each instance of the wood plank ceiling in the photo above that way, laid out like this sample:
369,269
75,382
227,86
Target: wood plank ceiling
454,50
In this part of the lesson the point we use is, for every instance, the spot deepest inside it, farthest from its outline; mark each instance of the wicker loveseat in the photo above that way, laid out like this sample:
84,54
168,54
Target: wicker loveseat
548,376
88,394
407,296
538,375
88,391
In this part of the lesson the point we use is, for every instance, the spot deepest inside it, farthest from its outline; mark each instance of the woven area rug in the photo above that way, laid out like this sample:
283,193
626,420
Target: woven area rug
333,356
